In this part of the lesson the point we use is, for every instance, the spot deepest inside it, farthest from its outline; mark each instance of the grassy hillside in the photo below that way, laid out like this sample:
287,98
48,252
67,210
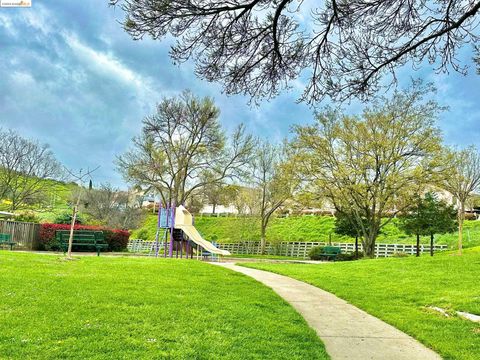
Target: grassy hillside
401,291
304,228
56,196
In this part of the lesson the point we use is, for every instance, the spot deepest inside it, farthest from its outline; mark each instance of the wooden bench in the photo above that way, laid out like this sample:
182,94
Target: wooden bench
81,238
330,252
6,239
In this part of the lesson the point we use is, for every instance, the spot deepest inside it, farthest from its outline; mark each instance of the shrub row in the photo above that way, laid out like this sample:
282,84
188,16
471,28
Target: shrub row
117,240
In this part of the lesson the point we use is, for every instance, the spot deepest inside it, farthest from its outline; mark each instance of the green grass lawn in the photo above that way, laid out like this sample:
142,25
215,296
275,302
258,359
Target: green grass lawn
399,291
143,308
300,228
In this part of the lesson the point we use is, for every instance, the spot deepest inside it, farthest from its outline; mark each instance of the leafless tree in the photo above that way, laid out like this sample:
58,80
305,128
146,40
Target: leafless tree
274,180
462,181
26,167
343,48
183,149
112,207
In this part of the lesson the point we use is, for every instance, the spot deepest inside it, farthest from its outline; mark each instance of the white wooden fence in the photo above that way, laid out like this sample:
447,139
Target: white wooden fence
297,249
139,245
301,249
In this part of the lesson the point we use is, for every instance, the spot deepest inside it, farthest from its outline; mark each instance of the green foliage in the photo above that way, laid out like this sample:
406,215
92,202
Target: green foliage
142,234
27,216
66,218
429,216
400,254
348,256
137,308
360,164
400,291
315,252
346,224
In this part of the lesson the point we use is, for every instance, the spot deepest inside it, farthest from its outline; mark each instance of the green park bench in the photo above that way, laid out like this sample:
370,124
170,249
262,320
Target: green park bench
330,252
82,238
6,239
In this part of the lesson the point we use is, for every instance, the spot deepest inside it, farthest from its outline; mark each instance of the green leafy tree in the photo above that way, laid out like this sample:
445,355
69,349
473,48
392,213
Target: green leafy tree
429,216
346,224
371,165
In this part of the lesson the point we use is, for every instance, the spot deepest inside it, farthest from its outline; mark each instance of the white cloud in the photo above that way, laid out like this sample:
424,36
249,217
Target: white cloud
108,65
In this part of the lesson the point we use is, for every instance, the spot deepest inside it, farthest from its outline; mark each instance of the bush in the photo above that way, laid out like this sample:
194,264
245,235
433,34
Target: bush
66,218
315,252
142,234
349,256
27,216
400,254
117,240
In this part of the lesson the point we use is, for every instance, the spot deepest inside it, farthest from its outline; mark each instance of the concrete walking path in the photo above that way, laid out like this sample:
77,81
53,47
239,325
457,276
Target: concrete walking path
346,331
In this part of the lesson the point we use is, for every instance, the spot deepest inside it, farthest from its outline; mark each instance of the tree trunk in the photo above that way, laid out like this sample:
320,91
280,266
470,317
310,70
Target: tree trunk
369,244
356,247
213,208
418,245
263,240
72,225
431,244
461,217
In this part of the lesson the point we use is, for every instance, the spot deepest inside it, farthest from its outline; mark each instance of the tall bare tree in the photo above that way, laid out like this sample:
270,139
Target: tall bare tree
371,165
183,149
347,48
462,180
112,207
275,181
25,168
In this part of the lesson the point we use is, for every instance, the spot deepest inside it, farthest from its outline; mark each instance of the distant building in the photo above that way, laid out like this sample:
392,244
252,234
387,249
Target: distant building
219,209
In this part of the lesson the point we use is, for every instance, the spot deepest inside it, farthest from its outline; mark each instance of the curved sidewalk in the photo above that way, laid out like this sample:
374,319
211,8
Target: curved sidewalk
346,331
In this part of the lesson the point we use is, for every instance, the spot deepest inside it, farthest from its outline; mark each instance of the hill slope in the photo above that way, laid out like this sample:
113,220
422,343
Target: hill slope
301,228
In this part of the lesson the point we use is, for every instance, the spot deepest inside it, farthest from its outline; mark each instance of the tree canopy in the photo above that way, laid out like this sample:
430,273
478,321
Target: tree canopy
370,166
340,48
429,216
25,168
183,148
462,179
274,180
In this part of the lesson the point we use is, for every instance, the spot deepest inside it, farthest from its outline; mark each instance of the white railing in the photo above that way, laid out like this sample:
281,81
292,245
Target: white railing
301,249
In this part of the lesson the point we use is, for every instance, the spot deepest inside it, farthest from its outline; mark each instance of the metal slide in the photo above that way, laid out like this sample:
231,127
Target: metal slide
184,221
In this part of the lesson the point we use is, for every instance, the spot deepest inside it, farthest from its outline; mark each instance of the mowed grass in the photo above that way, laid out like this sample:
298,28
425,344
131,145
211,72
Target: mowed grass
400,290
143,308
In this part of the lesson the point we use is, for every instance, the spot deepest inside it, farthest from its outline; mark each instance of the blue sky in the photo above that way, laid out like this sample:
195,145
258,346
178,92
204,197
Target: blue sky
70,77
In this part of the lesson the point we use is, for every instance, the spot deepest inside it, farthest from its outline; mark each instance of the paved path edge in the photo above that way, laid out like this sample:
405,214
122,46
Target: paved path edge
346,331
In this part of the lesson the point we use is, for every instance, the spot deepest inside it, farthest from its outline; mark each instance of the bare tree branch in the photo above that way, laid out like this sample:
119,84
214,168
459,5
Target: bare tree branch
341,49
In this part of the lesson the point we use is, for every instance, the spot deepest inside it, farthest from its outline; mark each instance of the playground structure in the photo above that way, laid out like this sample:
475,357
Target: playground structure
177,236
